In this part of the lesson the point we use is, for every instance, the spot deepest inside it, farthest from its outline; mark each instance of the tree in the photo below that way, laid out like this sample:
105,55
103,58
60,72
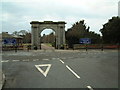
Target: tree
25,34
15,33
27,38
22,32
80,30
50,38
111,31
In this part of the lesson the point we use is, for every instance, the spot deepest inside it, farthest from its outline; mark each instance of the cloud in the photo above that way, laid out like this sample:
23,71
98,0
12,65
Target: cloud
17,14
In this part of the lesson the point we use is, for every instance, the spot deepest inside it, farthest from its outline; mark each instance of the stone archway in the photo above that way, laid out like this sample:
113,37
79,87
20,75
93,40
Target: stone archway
37,27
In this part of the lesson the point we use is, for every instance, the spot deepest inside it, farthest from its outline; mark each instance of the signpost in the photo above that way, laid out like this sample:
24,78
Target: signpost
85,41
9,41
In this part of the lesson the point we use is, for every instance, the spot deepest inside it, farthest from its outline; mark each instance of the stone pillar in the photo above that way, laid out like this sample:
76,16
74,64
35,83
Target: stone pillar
56,39
64,42
61,35
35,36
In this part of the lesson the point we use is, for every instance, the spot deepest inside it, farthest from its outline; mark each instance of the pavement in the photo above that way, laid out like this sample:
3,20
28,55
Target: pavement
2,77
61,69
1,80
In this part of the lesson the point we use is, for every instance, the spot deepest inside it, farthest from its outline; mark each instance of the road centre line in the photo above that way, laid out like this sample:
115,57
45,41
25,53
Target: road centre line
70,57
61,61
63,58
25,60
90,88
58,58
72,71
53,58
5,61
35,59
15,60
45,59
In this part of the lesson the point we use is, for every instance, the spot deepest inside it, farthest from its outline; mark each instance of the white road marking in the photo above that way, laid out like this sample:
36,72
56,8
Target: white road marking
15,60
45,59
63,58
58,58
5,61
53,58
89,87
61,61
47,70
25,60
70,57
35,59
72,71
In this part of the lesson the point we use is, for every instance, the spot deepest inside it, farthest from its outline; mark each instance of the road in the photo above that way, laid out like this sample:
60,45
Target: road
46,47
61,69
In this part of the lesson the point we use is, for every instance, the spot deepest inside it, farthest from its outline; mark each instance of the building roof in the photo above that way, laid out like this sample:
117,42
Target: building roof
16,36
6,35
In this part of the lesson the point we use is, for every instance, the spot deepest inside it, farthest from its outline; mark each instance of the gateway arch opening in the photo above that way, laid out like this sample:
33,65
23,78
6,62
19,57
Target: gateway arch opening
37,27
48,39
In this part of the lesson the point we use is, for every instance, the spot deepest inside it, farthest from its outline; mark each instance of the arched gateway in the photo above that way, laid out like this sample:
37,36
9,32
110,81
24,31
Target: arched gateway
37,27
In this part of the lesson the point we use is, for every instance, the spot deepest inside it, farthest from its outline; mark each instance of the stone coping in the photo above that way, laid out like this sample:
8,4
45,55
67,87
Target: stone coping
47,22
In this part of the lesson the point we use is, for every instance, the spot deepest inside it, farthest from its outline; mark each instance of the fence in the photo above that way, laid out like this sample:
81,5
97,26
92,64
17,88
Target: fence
95,46
8,48
76,46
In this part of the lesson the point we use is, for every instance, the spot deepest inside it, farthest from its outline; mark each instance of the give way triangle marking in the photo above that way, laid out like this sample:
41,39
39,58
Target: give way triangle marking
42,65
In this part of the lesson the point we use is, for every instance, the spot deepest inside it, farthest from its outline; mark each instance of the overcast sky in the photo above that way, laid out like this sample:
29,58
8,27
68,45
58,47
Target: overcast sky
17,14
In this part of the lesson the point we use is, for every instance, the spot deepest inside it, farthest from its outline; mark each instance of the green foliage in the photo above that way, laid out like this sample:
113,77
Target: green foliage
25,34
111,31
80,30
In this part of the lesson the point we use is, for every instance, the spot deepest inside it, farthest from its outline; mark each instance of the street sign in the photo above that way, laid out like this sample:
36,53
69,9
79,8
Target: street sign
9,41
85,41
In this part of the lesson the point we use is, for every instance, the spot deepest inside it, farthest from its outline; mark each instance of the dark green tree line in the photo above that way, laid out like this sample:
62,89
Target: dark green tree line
80,30
111,31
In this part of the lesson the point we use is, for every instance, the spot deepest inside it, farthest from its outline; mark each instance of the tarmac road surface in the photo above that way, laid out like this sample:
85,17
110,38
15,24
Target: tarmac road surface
61,69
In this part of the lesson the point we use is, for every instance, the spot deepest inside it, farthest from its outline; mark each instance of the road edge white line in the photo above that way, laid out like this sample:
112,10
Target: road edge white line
35,59
72,71
90,88
61,61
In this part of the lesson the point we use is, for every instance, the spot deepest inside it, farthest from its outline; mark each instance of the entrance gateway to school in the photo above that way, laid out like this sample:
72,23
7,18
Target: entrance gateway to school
37,27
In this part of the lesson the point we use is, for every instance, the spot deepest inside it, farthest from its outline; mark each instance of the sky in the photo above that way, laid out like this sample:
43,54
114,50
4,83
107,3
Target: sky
17,14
